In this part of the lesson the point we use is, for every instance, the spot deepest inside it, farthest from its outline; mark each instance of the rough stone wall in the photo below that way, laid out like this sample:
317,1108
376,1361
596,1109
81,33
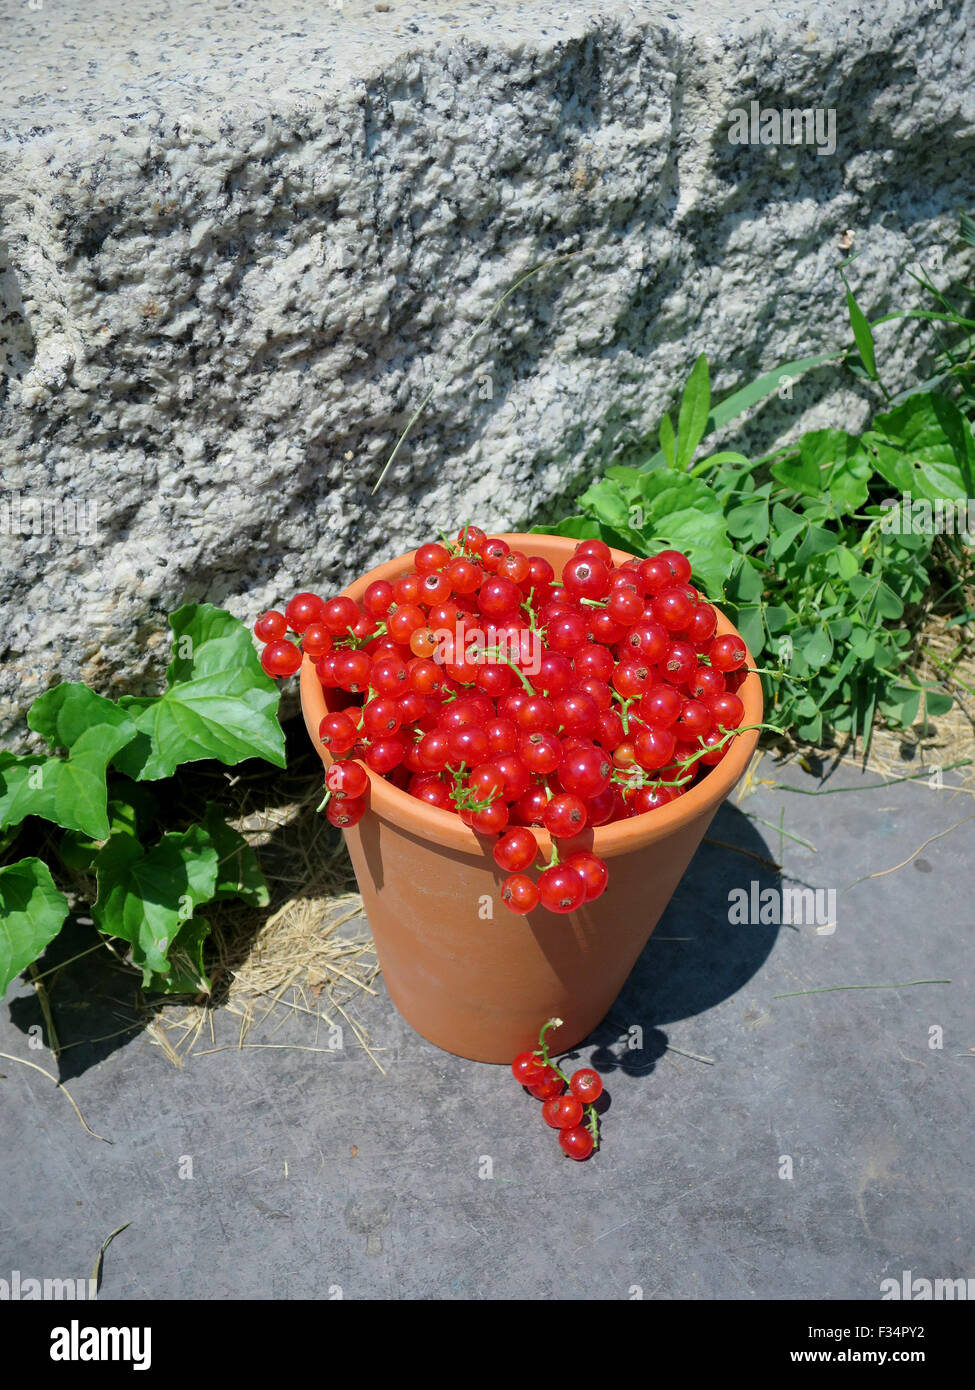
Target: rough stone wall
238,241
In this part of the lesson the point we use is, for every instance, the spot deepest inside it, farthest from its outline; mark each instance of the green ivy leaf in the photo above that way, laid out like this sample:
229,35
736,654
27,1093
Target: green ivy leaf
132,809
239,873
69,791
218,703
32,912
185,974
145,896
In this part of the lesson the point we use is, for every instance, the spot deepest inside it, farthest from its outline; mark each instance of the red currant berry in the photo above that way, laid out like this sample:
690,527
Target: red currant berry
353,669
338,615
465,577
385,754
660,706
530,807
377,598
726,710
648,640
624,606
346,812
430,557
673,609
561,889
578,1143
516,850
654,748
593,870
271,626
381,717
706,681
586,1085
727,653
679,663
520,894
471,538
565,815
527,1067
548,1086
316,641
563,1112
280,659
702,624
492,820
347,779
694,719
595,661
599,549
404,621
586,576
566,632
305,609
678,565
585,771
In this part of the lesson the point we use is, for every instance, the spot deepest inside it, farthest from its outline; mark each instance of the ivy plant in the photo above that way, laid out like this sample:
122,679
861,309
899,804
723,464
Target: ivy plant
151,880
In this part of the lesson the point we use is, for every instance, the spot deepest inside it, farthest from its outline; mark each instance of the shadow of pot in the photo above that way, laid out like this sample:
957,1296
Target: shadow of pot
465,972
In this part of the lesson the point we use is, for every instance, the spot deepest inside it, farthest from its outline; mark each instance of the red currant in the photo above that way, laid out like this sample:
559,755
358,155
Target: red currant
578,1143
271,626
520,894
586,1085
561,889
562,1112
280,659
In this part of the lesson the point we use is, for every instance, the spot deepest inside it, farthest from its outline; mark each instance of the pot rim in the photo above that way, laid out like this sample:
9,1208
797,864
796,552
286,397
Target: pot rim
428,822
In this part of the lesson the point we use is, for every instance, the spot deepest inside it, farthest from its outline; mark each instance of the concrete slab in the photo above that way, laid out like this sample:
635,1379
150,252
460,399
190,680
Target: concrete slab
824,1146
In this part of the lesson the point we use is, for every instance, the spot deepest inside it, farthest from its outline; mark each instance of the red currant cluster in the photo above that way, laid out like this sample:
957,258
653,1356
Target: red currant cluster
568,704
566,1100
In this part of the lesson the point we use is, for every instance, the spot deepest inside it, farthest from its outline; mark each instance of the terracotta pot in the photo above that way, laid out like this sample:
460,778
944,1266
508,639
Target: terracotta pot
465,972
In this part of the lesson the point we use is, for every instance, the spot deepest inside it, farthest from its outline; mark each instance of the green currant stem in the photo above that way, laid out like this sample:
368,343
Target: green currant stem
497,652
543,1047
592,1123
325,800
780,674
527,605
357,642
625,711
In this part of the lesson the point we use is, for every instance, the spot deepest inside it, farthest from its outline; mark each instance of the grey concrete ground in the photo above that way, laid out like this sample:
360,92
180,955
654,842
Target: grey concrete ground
314,1173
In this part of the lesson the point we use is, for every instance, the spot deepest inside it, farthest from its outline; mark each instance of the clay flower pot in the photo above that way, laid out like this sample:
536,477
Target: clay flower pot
468,974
